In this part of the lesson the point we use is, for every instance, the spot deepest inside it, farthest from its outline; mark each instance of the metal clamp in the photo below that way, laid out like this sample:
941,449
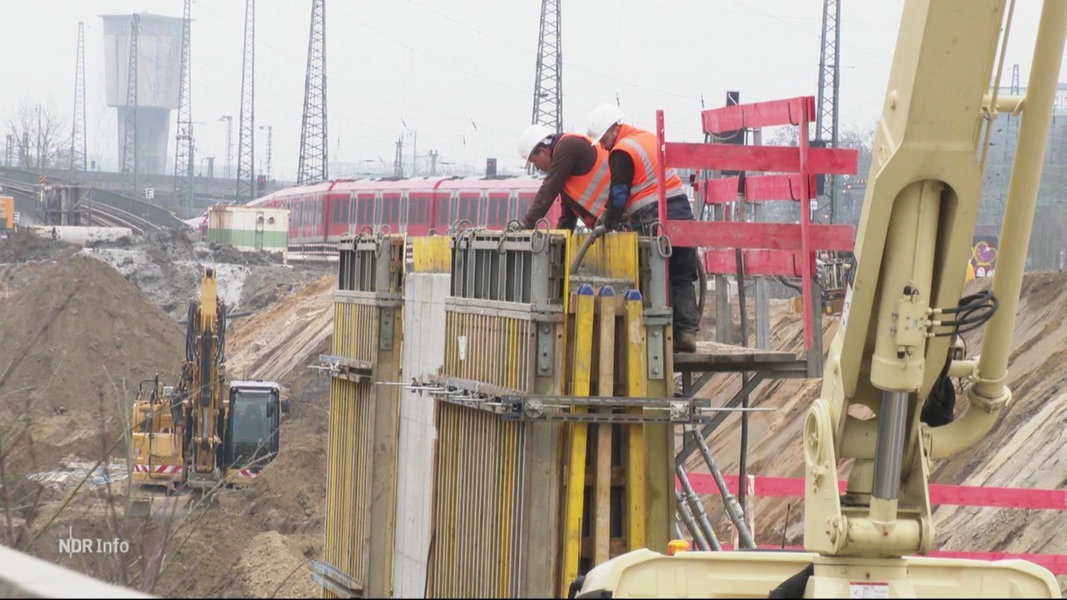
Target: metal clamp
379,237
539,237
663,241
512,226
458,226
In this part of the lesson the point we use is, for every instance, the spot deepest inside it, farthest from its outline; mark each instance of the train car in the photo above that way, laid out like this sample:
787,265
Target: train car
319,214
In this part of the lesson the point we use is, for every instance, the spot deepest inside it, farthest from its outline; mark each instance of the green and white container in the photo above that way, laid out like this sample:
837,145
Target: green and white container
250,229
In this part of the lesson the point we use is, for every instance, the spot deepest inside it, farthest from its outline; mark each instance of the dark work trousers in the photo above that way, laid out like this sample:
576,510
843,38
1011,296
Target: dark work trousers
682,265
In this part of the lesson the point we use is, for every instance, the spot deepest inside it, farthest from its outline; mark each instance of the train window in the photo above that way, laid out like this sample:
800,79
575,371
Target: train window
342,210
523,205
417,209
389,210
468,208
365,211
335,212
498,210
443,219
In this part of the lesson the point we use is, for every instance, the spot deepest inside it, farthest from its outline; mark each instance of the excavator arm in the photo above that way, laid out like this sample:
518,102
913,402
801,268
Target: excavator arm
202,384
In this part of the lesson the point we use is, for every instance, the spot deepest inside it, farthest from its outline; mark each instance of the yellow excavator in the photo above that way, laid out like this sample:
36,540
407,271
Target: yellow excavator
898,335
205,431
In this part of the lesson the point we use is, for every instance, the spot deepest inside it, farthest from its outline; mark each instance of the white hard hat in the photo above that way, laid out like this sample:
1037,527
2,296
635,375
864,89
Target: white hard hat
602,118
532,137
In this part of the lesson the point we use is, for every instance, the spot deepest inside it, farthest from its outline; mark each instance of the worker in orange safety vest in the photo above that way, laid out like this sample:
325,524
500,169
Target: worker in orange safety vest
633,197
576,172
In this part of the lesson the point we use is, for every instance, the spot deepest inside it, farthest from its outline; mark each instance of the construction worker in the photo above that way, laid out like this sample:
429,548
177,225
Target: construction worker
576,171
634,201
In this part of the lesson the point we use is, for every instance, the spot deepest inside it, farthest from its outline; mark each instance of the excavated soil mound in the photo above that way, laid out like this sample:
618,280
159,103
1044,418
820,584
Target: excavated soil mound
76,342
78,334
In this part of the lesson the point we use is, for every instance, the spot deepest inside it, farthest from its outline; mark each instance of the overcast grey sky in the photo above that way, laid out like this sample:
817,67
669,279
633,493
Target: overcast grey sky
457,76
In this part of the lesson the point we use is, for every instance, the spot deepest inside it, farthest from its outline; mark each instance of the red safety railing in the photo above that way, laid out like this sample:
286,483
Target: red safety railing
956,495
766,248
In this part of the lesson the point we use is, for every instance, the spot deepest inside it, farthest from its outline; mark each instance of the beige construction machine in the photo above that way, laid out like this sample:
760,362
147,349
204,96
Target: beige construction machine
900,322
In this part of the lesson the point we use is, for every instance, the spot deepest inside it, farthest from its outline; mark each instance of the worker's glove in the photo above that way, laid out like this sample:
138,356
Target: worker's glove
613,218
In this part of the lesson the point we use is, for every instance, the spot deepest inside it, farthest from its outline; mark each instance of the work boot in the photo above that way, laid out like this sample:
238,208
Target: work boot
685,341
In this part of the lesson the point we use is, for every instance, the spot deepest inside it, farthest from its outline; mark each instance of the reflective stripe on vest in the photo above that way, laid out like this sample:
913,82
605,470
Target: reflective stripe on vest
590,190
641,146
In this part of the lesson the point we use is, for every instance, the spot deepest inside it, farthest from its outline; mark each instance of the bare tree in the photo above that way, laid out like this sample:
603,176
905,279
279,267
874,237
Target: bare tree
37,131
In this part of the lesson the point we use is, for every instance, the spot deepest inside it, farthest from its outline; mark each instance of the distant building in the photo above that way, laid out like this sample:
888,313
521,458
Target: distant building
159,46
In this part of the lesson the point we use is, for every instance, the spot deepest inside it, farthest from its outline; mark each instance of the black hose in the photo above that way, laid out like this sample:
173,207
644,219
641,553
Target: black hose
702,278
599,231
594,235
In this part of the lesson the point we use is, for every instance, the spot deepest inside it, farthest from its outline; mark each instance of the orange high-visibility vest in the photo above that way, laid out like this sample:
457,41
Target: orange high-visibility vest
641,146
590,190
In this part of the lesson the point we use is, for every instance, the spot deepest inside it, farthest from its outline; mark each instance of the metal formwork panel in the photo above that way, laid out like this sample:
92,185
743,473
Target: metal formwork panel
496,499
478,549
347,488
364,418
490,348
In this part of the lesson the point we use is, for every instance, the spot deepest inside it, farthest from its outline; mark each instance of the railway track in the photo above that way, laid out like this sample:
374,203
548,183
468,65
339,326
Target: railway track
108,208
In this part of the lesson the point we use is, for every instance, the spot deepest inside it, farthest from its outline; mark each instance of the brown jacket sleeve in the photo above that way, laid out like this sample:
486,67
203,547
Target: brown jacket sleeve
566,155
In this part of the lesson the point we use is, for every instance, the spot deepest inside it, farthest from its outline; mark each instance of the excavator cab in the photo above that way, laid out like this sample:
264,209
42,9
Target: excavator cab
255,409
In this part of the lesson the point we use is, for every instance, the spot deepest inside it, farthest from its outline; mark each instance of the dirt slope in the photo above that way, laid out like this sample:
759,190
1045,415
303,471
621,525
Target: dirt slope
76,341
79,328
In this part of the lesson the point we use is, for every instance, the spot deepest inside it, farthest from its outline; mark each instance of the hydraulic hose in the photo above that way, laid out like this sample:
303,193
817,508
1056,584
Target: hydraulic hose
594,235
599,232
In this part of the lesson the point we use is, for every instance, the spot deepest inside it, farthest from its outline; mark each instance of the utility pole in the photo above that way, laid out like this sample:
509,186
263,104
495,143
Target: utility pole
183,153
414,156
313,163
246,164
433,163
398,162
270,134
129,137
229,144
826,118
78,161
38,136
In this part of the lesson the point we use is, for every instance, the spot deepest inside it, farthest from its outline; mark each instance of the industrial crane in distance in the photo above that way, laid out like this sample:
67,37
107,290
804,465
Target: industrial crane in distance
205,431
898,341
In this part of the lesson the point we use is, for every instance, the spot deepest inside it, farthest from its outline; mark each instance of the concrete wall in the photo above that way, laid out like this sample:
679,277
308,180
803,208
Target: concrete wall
423,352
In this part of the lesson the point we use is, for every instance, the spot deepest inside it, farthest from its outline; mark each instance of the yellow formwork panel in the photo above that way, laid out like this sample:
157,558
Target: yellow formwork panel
636,386
574,500
348,498
479,486
355,327
613,256
431,254
493,349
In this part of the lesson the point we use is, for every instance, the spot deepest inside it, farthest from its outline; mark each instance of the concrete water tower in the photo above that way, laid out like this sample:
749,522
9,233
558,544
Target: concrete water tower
158,77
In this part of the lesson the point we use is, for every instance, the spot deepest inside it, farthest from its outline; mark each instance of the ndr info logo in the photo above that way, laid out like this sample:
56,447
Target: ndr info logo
72,545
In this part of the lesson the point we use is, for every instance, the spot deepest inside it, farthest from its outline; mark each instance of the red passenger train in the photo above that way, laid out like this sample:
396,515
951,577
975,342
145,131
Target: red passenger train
319,214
